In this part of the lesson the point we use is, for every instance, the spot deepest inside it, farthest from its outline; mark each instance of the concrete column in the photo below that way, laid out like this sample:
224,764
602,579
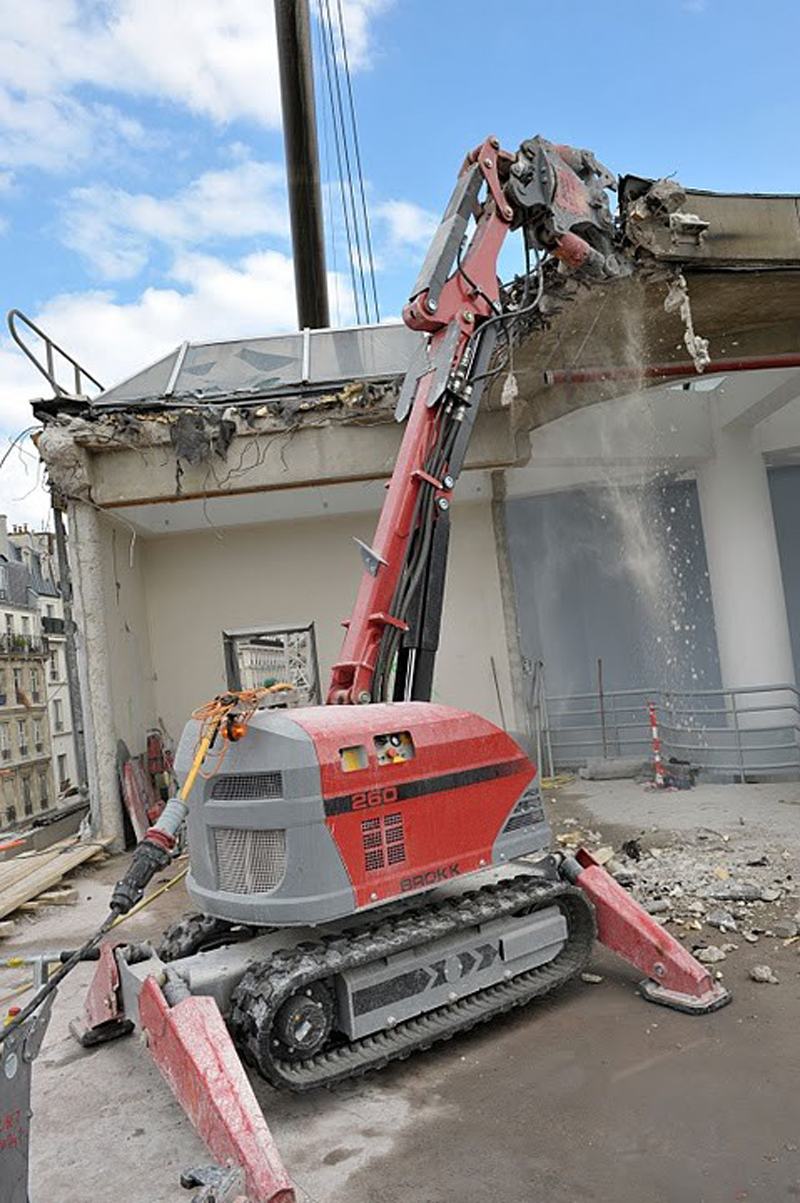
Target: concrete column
94,671
743,564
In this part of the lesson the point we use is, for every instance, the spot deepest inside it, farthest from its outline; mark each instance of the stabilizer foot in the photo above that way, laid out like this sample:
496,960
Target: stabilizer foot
676,979
704,1004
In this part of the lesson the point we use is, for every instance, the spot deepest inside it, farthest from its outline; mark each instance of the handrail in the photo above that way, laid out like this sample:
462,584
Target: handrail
707,725
49,372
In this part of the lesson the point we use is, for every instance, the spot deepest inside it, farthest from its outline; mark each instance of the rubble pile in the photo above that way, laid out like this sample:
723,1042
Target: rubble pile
713,891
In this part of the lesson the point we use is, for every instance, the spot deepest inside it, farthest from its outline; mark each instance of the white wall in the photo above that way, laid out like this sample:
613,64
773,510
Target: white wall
200,583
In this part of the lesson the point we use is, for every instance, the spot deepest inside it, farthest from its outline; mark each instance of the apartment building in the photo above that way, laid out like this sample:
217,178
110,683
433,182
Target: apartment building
37,552
26,778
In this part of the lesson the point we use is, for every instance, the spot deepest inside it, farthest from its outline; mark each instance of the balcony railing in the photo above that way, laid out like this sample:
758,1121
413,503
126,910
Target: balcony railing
23,749
53,626
5,753
23,645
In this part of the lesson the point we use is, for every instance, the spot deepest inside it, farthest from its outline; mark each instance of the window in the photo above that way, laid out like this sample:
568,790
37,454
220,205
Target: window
27,800
5,741
54,666
44,791
3,581
18,684
58,714
22,736
9,624
394,747
26,625
36,694
62,771
38,735
50,612
353,758
3,694
11,814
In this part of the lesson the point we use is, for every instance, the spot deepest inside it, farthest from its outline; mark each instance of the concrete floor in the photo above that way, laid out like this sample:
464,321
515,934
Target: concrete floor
593,1095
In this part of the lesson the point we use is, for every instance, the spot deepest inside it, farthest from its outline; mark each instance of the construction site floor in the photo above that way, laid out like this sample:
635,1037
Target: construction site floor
593,1095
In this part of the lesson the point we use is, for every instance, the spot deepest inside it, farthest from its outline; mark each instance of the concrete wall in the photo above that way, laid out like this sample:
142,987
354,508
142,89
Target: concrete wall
128,633
618,574
198,584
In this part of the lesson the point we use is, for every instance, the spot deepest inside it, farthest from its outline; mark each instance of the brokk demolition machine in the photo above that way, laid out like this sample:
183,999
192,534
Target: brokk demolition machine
362,871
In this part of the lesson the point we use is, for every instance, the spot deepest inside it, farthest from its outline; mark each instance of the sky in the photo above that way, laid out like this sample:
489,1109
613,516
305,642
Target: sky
142,185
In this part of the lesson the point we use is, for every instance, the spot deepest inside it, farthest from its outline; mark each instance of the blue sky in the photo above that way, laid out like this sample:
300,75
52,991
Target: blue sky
142,198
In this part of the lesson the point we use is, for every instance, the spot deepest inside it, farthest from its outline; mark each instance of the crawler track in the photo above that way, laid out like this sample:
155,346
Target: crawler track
265,987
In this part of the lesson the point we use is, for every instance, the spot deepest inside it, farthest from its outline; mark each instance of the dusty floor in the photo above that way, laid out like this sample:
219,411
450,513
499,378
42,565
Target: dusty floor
592,1095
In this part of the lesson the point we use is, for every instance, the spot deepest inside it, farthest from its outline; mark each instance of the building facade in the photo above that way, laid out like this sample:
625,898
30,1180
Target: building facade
27,787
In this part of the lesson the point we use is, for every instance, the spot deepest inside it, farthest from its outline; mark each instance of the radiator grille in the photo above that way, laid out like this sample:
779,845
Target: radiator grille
249,862
384,842
247,787
527,813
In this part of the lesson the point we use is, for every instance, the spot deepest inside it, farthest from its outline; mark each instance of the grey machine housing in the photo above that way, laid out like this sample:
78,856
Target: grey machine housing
260,851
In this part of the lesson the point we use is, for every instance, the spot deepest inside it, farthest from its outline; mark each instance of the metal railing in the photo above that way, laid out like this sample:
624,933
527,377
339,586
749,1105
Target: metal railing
746,733
53,626
53,357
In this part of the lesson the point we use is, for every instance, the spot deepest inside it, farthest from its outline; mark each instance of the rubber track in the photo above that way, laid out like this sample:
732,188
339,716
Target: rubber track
265,987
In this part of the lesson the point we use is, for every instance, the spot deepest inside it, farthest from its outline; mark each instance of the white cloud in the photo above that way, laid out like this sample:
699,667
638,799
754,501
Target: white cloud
113,339
114,229
216,58
407,226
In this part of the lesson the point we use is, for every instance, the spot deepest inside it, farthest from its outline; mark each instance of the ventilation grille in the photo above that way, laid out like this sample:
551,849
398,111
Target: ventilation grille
384,842
527,813
249,862
247,787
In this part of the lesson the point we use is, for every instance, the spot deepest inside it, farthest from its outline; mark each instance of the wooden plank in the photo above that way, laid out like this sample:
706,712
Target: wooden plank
47,875
67,896
7,928
14,870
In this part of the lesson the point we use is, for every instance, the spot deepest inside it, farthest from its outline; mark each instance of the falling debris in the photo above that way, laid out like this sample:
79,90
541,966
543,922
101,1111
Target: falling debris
592,978
677,301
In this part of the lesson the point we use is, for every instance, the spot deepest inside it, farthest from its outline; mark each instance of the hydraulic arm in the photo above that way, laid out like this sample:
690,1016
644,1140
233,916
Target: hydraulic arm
557,195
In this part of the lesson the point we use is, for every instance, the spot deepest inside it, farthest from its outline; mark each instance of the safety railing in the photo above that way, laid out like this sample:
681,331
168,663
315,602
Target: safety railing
747,733
54,357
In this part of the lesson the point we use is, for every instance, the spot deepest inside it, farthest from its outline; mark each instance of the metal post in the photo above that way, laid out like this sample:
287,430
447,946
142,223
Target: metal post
293,27
71,655
601,698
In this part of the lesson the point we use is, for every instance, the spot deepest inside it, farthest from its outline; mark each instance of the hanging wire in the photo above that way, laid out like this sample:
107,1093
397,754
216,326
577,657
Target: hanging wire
337,137
334,63
328,185
357,149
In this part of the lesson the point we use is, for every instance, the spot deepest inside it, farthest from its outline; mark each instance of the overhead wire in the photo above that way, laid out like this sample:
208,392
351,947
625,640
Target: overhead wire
348,169
328,60
359,172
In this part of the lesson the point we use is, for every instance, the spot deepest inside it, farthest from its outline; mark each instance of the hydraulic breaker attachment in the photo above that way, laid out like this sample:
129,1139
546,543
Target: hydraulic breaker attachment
674,978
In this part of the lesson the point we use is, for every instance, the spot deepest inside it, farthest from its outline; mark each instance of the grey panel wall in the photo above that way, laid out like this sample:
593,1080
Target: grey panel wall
618,574
784,484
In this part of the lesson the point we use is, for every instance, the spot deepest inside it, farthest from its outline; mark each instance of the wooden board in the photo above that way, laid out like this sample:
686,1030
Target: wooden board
46,872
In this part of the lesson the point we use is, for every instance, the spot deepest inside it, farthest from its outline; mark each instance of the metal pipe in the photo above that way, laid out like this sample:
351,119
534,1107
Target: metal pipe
70,650
293,28
652,371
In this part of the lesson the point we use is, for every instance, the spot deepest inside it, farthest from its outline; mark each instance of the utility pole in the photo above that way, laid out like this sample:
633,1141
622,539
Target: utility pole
293,27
